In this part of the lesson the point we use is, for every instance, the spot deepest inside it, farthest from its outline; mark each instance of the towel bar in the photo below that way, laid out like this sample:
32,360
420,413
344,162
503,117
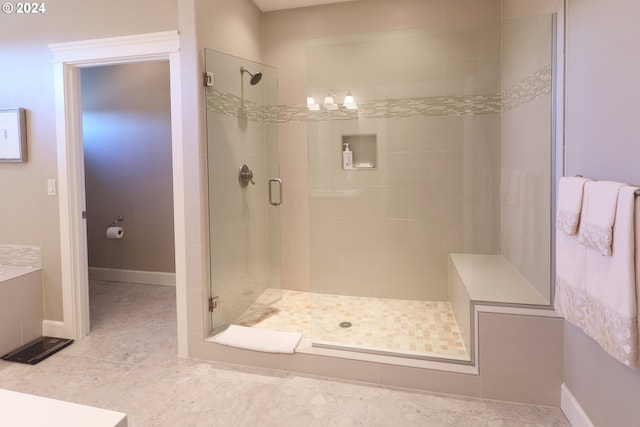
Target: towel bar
637,192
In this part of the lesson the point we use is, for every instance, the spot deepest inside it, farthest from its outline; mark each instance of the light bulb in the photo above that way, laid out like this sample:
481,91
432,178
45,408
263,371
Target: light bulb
311,104
329,104
350,102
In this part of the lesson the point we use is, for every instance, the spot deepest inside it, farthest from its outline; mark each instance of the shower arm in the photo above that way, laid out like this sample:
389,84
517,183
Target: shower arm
255,77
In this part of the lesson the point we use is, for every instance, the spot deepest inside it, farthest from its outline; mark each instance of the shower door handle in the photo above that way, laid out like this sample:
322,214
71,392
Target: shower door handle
279,181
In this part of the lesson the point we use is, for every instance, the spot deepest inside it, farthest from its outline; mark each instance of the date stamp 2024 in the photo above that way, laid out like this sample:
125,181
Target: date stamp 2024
24,8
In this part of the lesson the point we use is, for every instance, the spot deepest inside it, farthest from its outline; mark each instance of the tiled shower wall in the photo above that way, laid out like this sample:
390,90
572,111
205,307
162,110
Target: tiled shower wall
387,232
434,187
427,76
393,238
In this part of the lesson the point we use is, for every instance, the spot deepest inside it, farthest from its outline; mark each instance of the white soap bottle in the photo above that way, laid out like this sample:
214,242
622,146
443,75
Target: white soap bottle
347,157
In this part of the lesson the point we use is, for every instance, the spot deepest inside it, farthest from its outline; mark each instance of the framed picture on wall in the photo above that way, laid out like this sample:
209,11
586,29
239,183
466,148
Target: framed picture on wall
13,135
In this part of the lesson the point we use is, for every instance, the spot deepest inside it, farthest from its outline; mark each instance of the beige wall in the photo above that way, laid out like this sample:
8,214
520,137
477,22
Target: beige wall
387,232
285,36
127,152
230,26
27,76
522,8
602,143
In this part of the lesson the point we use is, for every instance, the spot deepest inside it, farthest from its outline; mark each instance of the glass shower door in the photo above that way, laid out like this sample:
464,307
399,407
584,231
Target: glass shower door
243,189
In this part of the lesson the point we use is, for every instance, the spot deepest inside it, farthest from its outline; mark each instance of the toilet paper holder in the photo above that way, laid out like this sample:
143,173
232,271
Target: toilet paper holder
116,222
115,230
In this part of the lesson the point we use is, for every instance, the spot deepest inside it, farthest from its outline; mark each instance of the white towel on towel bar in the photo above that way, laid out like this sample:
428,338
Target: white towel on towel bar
570,191
259,339
599,294
598,215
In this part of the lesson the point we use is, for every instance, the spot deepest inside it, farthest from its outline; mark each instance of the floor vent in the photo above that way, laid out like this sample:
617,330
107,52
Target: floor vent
37,350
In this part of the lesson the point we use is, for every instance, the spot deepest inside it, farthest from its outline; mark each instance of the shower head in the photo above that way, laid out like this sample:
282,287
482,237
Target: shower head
255,77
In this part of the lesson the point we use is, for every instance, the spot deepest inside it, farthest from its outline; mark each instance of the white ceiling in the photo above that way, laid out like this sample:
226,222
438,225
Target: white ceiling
269,5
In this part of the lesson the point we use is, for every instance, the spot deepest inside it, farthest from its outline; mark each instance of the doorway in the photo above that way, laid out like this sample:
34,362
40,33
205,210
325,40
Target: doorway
126,127
69,59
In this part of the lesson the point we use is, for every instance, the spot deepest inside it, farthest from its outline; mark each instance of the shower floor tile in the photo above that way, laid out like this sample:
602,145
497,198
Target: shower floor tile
415,327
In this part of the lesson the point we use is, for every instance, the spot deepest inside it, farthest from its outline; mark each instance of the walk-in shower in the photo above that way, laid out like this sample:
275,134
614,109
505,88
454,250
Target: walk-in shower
447,198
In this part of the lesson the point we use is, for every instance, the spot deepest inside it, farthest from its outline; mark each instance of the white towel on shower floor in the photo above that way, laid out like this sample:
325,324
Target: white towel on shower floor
259,339
570,191
598,215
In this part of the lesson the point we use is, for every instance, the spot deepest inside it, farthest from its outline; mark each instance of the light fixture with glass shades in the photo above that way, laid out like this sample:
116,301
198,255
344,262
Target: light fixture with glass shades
311,104
329,103
350,102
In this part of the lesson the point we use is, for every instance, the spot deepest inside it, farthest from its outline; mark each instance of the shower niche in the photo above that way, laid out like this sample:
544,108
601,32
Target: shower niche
364,148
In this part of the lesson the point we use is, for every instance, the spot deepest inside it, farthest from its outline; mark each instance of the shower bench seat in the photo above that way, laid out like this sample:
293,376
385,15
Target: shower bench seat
486,279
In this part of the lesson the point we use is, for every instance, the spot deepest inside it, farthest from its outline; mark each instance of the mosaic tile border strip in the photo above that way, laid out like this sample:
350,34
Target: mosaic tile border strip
393,109
233,106
21,256
528,89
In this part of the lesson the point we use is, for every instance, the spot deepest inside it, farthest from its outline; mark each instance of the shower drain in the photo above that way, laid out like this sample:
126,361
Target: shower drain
345,324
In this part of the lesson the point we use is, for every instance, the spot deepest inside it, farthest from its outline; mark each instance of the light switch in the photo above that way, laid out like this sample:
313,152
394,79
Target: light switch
51,187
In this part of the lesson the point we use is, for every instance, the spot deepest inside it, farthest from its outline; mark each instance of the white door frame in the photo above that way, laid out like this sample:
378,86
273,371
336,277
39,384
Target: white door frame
69,58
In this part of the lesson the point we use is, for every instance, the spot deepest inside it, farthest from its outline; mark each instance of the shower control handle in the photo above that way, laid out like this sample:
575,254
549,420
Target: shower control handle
245,176
279,181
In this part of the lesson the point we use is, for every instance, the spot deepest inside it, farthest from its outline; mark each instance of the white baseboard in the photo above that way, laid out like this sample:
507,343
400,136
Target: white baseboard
132,276
54,328
572,409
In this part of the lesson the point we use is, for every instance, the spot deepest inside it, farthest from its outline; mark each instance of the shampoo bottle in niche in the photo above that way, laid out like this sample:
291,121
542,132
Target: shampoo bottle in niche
347,157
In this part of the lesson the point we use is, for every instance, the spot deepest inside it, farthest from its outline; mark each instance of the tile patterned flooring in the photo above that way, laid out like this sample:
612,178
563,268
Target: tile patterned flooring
416,327
128,364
